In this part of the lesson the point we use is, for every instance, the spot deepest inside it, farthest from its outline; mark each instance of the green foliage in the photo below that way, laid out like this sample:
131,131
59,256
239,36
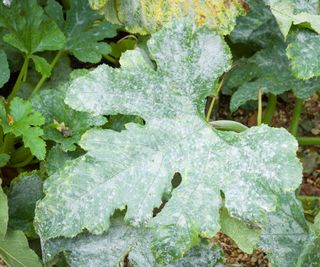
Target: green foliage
83,29
4,68
269,69
3,214
63,125
23,121
15,251
304,53
25,190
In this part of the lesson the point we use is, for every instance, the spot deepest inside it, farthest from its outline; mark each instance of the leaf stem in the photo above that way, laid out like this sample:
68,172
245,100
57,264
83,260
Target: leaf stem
259,118
19,79
296,116
271,107
213,100
305,140
44,78
22,163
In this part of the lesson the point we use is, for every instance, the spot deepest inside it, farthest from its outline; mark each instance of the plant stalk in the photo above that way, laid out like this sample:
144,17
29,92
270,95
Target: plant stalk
296,117
259,118
271,107
19,80
213,100
305,140
44,78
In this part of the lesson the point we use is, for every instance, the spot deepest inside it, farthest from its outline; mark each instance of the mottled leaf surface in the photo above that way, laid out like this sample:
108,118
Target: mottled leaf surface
86,192
268,70
4,68
298,12
110,249
258,27
57,158
304,54
28,29
63,124
287,235
15,251
147,16
22,120
83,30
3,213
25,190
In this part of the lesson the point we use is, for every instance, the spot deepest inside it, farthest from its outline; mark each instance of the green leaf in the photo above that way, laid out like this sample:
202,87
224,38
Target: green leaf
4,158
42,65
147,16
83,29
15,251
246,237
110,249
4,68
57,158
63,124
298,12
269,71
22,120
287,237
25,190
258,27
29,30
304,52
134,168
3,213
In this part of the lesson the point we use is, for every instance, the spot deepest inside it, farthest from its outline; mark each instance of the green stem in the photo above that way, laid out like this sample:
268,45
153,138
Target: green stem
271,107
213,100
22,163
259,118
296,117
44,78
305,140
19,79
111,59
66,4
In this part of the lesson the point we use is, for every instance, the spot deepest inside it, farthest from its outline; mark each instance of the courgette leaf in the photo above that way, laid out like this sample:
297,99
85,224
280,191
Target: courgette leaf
63,124
134,168
84,29
15,251
4,68
23,121
25,190
3,213
304,54
147,16
121,241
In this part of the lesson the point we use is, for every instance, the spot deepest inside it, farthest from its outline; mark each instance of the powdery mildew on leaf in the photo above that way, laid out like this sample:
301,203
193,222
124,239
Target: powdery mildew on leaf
110,249
133,169
304,52
147,16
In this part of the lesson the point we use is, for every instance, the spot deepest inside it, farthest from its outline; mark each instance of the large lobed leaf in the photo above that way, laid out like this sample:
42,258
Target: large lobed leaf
110,249
133,169
147,16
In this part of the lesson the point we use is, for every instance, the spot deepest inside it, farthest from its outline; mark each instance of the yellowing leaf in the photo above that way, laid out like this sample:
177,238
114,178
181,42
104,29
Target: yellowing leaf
147,16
